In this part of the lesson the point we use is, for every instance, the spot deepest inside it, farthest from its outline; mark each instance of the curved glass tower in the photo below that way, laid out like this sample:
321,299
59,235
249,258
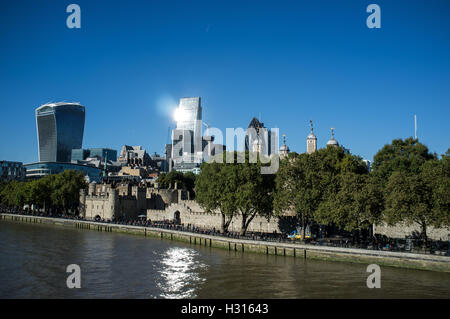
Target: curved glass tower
60,128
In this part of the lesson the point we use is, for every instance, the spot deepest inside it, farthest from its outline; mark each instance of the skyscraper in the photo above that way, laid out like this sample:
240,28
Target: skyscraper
60,129
260,139
189,114
188,132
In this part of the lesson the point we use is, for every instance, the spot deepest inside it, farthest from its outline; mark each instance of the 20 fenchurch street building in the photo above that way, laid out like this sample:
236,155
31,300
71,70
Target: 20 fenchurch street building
60,129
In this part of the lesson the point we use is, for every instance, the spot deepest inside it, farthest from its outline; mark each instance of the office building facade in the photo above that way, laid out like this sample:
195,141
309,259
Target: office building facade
11,171
100,153
60,128
41,169
188,132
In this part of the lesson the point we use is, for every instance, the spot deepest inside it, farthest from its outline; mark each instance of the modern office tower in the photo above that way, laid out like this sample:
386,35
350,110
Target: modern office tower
99,153
260,139
79,154
12,171
103,153
189,113
188,132
60,129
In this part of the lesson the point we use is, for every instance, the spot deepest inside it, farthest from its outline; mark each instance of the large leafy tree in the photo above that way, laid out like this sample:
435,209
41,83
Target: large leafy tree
66,189
409,199
58,191
183,180
235,187
253,190
423,198
355,206
306,181
415,184
401,155
213,192
14,193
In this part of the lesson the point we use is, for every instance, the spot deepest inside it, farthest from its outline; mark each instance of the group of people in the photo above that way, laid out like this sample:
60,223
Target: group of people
378,243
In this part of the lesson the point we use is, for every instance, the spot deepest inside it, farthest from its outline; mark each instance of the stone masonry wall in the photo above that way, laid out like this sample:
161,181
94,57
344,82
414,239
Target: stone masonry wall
192,214
401,231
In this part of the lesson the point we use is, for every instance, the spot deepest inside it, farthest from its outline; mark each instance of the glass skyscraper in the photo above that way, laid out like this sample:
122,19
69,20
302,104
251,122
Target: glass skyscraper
188,131
60,128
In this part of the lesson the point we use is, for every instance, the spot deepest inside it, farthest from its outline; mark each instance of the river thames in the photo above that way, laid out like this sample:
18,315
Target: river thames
33,261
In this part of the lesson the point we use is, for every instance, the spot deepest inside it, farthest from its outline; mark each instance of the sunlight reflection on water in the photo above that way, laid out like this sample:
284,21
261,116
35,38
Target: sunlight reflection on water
180,273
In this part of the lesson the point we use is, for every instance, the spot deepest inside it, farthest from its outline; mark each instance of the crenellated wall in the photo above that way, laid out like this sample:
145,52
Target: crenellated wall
191,213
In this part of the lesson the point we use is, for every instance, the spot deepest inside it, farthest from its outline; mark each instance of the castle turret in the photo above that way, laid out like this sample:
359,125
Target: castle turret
113,202
92,188
140,194
332,141
284,149
82,204
311,141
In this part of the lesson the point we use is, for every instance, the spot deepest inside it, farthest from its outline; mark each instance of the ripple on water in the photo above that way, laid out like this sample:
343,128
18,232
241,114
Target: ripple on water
180,273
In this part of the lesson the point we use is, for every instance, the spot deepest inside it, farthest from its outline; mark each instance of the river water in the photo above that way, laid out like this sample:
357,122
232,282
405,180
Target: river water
33,261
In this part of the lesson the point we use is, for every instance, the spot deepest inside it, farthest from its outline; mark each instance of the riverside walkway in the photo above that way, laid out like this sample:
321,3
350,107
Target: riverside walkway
366,256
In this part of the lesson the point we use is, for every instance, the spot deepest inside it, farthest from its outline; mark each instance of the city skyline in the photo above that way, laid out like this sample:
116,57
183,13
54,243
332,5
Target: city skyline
286,63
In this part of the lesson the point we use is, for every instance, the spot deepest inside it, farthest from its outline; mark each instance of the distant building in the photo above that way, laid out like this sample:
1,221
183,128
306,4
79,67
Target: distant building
189,148
134,155
41,169
260,139
284,149
79,154
60,129
332,141
100,153
188,133
160,162
189,115
367,162
12,171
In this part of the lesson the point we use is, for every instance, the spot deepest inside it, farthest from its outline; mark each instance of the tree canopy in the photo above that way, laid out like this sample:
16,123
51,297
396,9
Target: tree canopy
59,191
236,188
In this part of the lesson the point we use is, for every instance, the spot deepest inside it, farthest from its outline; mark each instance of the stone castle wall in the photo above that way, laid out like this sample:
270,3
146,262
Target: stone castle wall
401,231
191,213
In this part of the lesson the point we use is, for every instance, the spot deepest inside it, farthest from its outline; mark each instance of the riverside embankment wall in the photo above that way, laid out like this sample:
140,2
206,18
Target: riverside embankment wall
385,258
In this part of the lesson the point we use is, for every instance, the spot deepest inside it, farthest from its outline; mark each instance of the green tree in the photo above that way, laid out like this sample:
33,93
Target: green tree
253,190
409,199
14,194
213,193
183,180
305,181
401,155
355,206
436,174
66,189
235,188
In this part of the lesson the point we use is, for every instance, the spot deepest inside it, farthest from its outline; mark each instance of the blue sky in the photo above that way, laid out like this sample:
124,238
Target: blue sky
290,60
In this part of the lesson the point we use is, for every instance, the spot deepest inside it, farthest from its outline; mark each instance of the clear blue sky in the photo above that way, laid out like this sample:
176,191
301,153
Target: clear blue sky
290,60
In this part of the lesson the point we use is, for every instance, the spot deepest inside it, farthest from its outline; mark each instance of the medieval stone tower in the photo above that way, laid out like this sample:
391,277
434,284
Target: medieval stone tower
311,141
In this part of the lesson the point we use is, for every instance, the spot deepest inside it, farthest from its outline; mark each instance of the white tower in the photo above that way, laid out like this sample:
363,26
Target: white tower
311,141
284,149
